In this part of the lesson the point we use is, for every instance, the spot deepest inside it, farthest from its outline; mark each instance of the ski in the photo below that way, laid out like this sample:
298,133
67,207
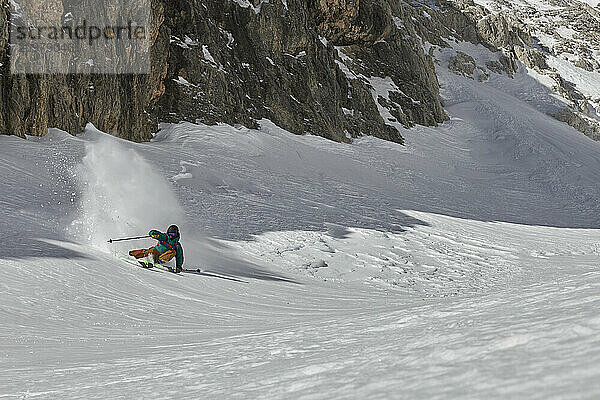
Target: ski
198,271
137,263
158,266
164,267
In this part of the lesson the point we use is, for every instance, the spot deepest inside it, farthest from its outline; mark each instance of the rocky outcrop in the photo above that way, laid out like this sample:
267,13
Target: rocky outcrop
309,66
504,30
257,65
587,64
462,64
532,58
587,126
353,21
568,32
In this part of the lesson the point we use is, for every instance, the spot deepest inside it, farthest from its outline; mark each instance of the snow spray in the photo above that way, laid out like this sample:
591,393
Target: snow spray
121,194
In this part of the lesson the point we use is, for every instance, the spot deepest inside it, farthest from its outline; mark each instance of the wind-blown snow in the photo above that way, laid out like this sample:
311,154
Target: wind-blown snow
464,265
121,193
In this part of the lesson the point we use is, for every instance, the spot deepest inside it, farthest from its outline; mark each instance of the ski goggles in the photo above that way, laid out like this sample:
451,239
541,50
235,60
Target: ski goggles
172,234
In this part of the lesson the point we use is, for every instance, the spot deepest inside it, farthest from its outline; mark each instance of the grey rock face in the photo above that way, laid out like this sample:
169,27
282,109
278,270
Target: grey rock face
587,126
462,64
285,63
532,58
119,104
306,65
586,64
504,30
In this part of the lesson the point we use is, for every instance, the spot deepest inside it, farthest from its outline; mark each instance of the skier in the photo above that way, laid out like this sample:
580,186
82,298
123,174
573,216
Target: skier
168,247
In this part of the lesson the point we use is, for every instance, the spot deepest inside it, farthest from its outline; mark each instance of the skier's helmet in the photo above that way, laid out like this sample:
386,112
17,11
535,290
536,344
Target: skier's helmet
173,231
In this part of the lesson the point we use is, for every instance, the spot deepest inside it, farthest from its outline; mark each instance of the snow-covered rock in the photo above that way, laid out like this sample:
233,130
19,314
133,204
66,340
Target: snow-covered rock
559,39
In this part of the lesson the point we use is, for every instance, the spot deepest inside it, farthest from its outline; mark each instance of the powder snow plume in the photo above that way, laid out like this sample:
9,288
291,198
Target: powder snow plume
121,194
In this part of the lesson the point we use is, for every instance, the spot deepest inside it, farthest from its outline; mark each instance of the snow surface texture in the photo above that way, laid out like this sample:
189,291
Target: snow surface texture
464,265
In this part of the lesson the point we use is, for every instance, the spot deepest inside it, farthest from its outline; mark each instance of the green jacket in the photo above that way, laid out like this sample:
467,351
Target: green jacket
166,243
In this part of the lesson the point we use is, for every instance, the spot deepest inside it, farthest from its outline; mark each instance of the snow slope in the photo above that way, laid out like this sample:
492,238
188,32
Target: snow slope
463,265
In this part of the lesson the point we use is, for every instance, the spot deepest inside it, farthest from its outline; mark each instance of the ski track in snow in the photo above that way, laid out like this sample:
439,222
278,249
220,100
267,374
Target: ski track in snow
463,265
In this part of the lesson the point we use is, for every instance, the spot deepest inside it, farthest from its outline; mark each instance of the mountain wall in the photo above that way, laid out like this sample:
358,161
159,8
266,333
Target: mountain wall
333,68
309,66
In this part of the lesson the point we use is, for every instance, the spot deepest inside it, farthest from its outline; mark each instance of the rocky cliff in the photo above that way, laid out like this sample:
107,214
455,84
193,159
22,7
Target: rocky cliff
333,68
337,69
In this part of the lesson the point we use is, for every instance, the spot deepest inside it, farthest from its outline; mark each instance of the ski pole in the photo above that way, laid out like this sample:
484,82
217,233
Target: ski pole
131,238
